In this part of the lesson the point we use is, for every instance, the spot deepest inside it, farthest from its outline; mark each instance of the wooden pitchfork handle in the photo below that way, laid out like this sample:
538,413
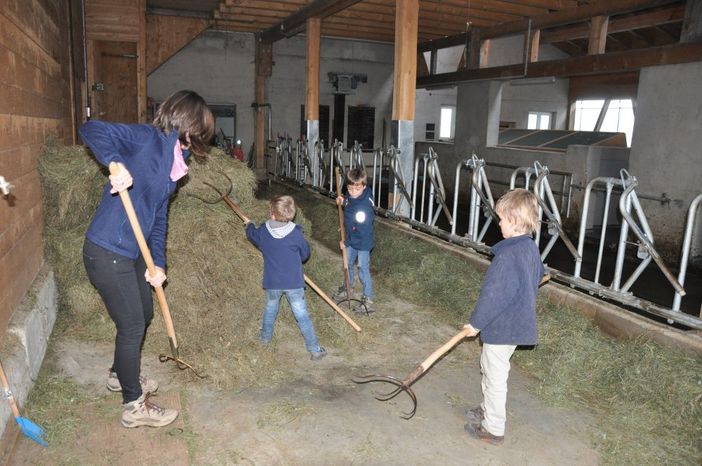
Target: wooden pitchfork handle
115,169
232,205
342,232
331,302
405,384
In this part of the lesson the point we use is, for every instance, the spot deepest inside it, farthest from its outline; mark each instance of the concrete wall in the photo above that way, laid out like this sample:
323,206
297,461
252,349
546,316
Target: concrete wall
220,66
518,100
287,85
665,149
428,104
26,340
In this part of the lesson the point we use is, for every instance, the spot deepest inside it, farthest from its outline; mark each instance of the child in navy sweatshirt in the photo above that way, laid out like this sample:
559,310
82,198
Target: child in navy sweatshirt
359,216
284,249
505,314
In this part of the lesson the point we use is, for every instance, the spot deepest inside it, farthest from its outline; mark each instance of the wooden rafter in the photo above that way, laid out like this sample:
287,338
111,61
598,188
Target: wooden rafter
669,14
617,62
558,18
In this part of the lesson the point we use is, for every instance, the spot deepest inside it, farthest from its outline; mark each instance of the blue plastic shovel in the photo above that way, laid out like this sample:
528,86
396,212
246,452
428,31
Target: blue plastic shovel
27,427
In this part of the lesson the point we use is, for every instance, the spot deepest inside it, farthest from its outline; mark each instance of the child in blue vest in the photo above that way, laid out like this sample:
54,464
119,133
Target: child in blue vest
284,249
359,216
505,314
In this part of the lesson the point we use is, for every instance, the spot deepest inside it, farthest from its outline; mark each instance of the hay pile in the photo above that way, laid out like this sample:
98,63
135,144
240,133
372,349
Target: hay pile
214,274
648,398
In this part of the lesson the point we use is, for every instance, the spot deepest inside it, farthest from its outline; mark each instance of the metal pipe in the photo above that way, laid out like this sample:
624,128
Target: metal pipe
687,241
603,233
625,206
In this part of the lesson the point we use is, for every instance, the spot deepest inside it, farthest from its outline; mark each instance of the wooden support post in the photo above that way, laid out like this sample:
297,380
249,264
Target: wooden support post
692,27
484,60
406,26
598,35
264,69
313,38
534,46
474,49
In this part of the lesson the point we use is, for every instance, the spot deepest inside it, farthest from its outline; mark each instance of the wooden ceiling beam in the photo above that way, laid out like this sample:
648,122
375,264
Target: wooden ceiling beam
497,6
615,62
666,15
548,4
294,22
376,7
233,26
559,18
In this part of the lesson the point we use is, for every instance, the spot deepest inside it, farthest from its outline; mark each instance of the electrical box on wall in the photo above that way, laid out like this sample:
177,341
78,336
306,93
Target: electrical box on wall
345,83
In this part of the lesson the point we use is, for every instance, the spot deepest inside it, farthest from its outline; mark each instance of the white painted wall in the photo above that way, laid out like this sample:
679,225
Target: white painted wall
220,66
518,100
287,85
428,105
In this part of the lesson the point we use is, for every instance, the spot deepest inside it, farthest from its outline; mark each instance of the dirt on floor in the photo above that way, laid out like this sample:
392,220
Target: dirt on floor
318,416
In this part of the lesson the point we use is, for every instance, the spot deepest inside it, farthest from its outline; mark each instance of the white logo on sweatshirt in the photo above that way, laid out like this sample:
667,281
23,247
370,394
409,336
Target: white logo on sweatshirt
360,217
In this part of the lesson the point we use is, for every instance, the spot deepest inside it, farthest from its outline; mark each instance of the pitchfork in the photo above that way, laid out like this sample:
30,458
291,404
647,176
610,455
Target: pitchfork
344,253
237,210
404,385
146,254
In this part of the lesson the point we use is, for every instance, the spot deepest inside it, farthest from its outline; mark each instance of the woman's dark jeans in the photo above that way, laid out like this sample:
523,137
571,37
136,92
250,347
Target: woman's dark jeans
127,296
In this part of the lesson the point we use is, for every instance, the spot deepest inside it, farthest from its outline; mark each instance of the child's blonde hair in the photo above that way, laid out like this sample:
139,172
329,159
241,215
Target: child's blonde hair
283,208
356,176
521,208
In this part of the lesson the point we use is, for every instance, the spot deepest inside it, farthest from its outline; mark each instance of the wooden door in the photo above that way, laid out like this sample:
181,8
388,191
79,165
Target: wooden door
114,87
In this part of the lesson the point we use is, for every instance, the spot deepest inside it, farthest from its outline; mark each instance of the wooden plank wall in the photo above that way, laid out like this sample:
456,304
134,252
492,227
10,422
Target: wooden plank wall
117,21
35,101
166,35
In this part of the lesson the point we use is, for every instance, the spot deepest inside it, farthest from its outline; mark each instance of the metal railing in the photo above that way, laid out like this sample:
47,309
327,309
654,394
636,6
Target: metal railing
435,196
428,201
685,252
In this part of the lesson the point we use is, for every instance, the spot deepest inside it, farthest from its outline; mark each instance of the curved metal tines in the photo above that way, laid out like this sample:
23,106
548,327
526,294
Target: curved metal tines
221,193
401,387
357,305
180,364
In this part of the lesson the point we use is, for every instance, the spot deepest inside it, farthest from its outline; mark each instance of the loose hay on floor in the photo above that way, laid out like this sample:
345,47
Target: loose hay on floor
214,274
648,398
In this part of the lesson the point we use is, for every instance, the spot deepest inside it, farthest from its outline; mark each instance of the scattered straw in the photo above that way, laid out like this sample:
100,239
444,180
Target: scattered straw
648,398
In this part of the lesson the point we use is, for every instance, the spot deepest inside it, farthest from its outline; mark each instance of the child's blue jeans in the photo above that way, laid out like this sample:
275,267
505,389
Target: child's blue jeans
296,299
363,269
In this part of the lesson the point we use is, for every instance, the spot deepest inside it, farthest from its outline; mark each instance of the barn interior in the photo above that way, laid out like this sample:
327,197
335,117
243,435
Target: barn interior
593,105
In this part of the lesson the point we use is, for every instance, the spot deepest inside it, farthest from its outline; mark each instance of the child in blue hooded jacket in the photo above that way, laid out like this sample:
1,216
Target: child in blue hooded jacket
284,249
505,314
359,217
152,159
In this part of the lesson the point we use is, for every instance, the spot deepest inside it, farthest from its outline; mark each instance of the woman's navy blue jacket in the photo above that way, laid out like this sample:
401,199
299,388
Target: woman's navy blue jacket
505,312
359,216
147,152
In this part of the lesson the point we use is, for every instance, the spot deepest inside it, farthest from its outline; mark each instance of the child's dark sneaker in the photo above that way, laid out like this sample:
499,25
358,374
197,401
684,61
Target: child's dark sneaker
317,355
147,385
476,413
340,294
143,412
478,432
